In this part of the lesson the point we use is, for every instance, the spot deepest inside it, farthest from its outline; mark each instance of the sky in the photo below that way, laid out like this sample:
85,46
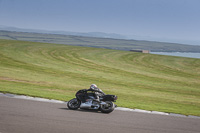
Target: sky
162,20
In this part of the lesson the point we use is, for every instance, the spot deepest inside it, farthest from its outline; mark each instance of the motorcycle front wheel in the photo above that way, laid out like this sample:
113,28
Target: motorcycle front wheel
108,107
73,104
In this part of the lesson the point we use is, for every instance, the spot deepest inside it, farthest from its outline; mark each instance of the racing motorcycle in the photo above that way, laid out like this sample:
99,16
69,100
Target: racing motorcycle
105,103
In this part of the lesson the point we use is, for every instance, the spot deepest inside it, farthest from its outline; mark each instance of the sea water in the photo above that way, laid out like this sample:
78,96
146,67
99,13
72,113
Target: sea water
190,55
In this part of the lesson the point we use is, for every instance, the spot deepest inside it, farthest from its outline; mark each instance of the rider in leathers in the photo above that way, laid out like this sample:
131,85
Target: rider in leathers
98,92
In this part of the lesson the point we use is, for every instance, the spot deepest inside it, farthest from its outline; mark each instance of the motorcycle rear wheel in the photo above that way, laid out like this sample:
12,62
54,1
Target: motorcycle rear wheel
109,107
73,104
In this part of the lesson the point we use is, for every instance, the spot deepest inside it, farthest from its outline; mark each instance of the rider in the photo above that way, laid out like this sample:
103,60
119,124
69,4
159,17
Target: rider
98,92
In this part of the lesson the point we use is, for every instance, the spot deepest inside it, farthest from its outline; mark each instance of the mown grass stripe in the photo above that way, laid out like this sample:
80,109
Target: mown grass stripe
144,81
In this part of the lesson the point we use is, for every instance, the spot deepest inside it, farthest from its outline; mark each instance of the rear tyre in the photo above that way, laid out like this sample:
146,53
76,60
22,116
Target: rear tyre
108,107
73,104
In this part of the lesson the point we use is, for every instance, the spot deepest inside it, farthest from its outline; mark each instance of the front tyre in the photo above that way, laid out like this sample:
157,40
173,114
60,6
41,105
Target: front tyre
108,107
73,104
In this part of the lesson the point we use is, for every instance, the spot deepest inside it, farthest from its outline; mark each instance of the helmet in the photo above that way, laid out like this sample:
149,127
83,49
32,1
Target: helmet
93,86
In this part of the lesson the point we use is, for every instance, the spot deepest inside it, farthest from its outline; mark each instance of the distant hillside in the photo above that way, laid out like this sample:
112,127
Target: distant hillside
109,43
87,34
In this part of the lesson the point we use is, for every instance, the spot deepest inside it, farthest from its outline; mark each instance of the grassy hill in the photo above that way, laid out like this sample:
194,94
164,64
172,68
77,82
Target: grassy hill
108,43
144,81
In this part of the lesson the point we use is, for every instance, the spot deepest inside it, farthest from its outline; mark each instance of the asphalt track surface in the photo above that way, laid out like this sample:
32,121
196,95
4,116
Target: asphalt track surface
26,116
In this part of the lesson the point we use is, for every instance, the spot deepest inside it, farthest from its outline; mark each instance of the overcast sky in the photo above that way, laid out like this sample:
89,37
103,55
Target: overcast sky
176,20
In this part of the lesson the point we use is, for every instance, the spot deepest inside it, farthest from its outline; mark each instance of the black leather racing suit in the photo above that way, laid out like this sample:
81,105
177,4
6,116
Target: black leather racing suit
98,92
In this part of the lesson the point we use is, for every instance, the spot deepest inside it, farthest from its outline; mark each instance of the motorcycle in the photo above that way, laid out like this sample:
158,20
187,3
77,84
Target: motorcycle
105,103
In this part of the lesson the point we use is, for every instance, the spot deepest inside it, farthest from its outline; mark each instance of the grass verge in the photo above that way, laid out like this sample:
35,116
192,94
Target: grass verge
144,81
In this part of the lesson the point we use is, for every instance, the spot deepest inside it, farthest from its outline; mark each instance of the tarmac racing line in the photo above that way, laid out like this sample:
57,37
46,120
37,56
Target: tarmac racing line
18,115
118,108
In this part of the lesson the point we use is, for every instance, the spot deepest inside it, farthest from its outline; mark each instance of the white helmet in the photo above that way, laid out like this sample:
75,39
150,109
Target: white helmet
93,86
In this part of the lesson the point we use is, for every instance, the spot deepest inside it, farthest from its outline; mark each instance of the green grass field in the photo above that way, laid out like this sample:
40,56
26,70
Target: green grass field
143,81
